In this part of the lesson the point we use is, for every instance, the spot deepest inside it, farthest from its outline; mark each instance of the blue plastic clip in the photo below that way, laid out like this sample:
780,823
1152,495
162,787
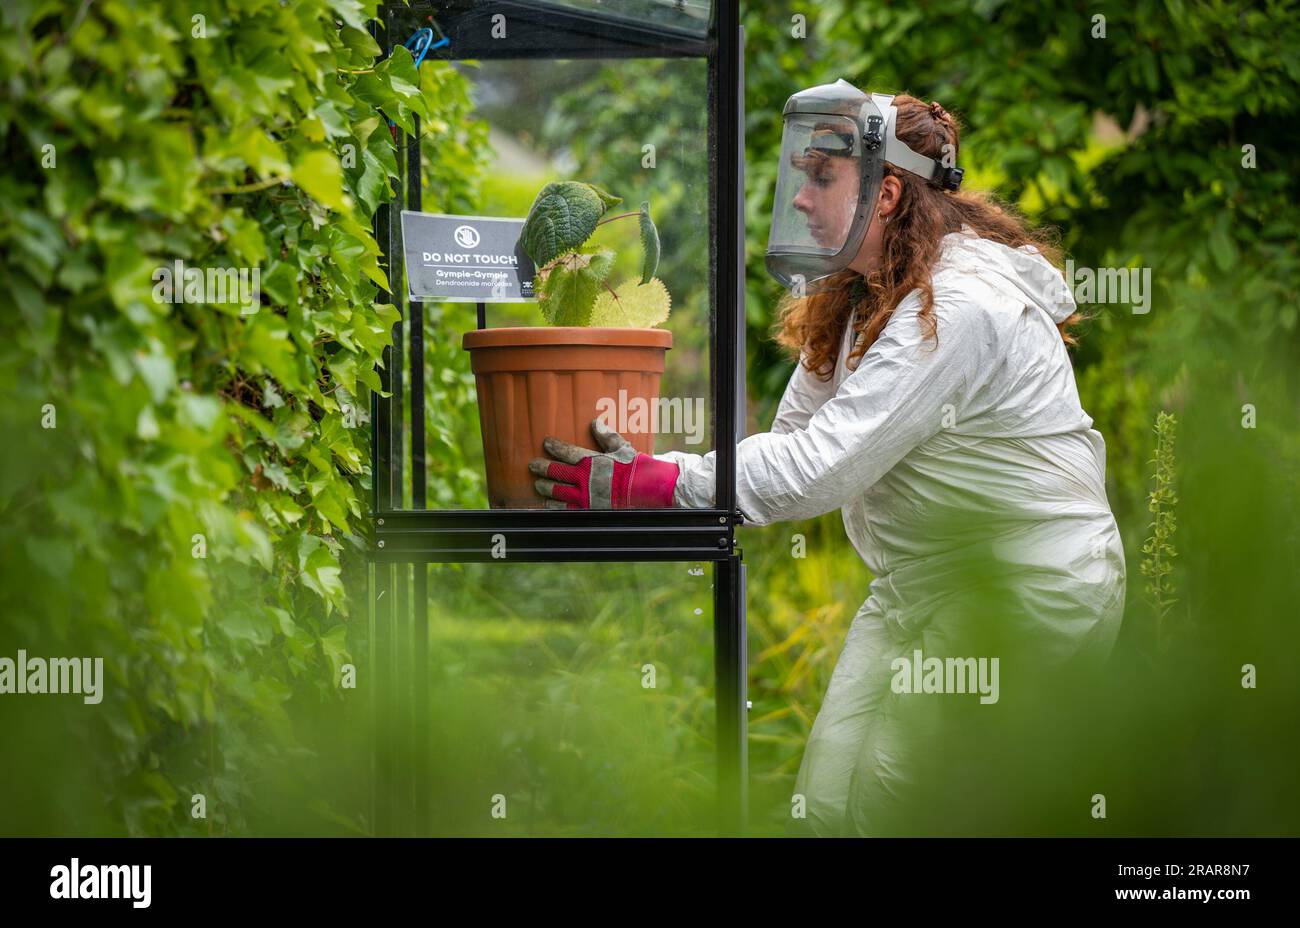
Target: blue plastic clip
419,45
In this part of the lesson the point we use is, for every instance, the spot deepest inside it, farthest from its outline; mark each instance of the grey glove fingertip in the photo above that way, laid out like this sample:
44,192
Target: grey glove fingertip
565,452
612,443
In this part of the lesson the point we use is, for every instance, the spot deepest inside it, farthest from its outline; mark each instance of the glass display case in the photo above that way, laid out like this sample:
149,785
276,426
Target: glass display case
641,98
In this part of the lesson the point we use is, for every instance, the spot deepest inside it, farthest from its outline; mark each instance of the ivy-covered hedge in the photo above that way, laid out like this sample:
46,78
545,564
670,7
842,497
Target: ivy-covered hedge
184,483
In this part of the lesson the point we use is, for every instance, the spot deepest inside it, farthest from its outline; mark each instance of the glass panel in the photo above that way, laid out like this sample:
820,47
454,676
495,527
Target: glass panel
582,694
636,128
682,14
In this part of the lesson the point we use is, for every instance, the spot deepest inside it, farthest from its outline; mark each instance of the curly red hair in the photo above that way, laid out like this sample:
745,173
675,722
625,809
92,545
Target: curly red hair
910,243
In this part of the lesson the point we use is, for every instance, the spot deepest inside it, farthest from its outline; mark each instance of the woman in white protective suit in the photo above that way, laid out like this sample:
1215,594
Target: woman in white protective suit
934,403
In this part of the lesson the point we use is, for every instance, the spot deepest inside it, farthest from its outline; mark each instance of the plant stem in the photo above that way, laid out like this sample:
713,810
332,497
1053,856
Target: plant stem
619,216
249,188
1159,551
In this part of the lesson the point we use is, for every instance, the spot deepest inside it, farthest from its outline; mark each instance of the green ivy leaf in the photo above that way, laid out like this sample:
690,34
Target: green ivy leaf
372,186
351,12
334,644
318,173
400,70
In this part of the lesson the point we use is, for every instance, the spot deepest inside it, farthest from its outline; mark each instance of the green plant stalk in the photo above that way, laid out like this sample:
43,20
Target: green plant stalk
1158,550
619,216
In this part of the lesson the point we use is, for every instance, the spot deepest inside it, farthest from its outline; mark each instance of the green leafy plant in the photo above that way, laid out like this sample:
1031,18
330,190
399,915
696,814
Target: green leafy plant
193,508
573,284
1157,562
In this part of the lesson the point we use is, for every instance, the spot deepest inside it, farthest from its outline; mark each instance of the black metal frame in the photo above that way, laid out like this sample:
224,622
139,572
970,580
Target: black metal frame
407,540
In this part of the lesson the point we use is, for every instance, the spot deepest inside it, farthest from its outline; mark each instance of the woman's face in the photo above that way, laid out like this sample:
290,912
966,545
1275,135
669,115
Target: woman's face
828,197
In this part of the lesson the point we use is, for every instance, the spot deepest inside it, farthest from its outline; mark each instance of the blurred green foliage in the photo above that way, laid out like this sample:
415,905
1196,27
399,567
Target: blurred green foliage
1161,144
185,487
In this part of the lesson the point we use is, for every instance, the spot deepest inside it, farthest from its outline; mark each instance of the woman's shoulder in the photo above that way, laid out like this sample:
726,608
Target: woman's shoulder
960,297
979,275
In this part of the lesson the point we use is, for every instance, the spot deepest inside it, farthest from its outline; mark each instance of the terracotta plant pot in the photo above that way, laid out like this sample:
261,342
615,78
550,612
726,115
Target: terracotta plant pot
548,380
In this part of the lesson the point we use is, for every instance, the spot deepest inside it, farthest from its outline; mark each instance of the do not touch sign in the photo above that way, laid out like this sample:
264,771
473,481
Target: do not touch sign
465,259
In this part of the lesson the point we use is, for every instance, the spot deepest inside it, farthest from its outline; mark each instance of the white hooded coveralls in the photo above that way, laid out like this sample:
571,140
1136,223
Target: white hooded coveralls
986,421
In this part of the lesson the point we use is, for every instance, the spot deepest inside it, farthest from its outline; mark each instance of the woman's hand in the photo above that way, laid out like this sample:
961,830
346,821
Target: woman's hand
615,477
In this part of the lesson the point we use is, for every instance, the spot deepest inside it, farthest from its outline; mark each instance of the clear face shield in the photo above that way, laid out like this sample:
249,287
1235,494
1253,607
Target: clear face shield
818,187
835,142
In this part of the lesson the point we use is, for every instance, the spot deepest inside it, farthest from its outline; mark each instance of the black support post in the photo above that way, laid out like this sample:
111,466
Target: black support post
380,687
729,661
422,722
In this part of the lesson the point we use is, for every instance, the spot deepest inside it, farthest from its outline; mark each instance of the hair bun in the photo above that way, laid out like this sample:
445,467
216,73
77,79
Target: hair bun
939,113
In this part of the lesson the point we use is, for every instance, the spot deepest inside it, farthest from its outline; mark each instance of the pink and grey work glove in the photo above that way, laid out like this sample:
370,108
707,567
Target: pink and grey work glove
616,477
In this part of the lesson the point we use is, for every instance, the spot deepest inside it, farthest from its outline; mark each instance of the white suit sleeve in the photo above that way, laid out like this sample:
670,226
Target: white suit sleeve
804,395
897,398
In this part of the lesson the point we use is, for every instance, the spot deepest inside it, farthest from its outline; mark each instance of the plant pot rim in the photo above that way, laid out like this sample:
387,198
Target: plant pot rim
510,336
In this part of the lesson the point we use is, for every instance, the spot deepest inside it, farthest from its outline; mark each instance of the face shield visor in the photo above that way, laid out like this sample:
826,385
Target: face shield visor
834,144
818,192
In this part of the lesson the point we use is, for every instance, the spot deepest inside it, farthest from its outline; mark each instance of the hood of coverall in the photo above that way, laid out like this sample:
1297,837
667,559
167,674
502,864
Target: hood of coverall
1025,270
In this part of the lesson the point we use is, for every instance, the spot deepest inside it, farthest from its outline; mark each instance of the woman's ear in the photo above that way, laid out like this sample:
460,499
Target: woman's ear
891,188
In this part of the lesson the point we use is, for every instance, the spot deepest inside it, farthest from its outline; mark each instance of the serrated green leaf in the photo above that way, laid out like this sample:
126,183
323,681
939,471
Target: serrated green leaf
571,287
607,198
562,217
632,305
